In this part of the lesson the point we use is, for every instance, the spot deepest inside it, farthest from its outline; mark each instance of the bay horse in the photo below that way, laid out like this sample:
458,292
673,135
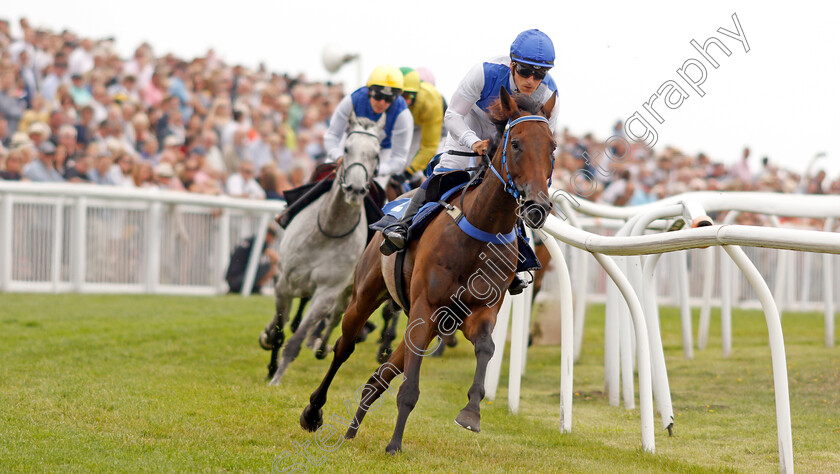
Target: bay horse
453,281
320,248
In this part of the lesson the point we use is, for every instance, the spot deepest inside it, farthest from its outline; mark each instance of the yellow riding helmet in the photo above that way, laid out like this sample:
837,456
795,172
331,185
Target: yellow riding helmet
386,77
411,79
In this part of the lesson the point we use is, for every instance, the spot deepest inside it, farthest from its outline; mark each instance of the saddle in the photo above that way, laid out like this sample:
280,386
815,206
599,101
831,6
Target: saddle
321,181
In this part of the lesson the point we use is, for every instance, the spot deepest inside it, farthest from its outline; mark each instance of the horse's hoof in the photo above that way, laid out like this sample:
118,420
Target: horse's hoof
351,433
311,420
393,447
265,341
321,354
469,420
384,355
275,380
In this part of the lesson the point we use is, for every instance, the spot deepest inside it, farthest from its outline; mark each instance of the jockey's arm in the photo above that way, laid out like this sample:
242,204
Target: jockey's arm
338,126
400,142
431,122
464,98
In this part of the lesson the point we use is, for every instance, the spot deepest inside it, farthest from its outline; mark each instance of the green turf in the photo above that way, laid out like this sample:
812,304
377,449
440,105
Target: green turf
165,384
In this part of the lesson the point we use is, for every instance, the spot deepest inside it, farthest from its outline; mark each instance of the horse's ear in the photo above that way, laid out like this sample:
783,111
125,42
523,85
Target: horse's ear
548,107
508,104
352,118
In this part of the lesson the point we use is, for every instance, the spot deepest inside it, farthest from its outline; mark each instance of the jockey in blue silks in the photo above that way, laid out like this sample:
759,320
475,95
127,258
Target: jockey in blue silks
382,94
469,128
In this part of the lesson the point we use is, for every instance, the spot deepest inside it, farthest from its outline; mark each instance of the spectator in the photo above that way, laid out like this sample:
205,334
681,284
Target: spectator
43,169
143,175
166,178
243,183
268,182
78,173
239,264
100,174
12,167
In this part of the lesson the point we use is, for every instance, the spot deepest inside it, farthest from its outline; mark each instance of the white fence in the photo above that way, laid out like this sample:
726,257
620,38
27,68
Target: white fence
102,239
99,239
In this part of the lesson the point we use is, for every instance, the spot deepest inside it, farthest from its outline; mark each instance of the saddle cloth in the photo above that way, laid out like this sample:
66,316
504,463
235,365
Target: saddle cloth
439,191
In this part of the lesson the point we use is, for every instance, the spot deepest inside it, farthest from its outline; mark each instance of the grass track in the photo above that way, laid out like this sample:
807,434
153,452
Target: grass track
164,384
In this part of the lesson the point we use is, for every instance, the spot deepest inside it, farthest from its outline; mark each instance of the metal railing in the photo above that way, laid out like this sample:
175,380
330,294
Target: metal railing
103,239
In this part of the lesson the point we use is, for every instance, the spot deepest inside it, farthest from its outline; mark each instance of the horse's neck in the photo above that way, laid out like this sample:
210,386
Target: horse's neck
489,207
335,216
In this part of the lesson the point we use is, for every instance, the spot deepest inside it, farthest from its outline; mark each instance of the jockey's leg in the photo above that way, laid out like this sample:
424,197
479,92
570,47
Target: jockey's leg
396,234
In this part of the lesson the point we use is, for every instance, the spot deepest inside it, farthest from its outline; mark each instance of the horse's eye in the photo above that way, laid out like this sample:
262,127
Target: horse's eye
346,151
514,144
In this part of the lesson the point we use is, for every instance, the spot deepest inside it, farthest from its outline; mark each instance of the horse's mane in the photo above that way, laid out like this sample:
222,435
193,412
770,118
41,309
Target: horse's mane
527,104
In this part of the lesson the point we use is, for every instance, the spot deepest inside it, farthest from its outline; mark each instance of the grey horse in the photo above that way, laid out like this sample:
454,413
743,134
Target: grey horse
320,248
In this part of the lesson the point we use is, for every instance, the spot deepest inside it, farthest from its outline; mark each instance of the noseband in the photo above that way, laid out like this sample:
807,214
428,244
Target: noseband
510,185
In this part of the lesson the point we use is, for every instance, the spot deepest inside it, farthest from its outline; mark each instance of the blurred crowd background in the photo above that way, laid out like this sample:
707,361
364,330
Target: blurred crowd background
72,109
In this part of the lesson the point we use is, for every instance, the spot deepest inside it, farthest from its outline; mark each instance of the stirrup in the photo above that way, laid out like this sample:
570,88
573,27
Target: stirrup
395,240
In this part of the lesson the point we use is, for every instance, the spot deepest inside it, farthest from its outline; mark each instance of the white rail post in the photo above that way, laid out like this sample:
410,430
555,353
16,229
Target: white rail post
580,292
612,369
564,289
78,253
659,372
153,246
642,346
58,239
222,251
706,308
494,367
685,305
828,289
256,253
625,344
777,354
516,349
6,237
725,304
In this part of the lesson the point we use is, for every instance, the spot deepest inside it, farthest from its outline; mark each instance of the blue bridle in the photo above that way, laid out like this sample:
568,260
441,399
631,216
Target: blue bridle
510,186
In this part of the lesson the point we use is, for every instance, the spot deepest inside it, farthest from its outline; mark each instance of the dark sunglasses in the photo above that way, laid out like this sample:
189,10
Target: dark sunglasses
409,95
527,72
376,95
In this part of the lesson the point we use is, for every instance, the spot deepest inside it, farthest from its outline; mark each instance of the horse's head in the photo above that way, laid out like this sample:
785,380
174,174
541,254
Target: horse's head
524,159
361,157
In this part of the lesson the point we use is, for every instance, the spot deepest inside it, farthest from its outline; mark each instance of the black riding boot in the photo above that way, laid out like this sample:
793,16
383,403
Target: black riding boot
396,234
306,199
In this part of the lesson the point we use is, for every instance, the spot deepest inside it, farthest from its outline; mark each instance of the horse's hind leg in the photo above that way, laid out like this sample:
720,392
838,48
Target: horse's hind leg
479,334
377,384
368,294
272,336
299,315
416,339
391,315
334,318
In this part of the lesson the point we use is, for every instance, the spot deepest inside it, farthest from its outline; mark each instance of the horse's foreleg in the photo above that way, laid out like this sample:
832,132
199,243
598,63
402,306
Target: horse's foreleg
470,416
321,303
272,336
417,337
391,315
377,384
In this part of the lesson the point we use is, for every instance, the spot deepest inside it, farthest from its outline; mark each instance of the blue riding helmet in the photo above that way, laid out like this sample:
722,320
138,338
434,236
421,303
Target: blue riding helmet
533,47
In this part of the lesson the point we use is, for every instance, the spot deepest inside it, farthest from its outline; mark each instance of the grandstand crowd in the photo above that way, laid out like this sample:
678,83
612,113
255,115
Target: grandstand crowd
72,109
